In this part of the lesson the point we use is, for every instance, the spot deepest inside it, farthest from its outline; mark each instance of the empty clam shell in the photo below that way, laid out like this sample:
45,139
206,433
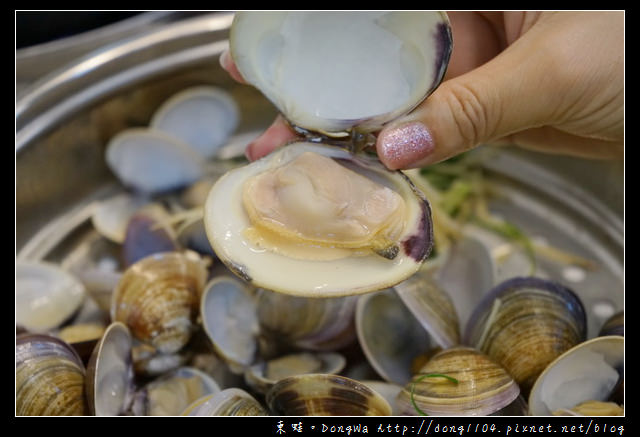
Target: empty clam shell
171,393
325,395
588,371
203,117
284,54
228,312
46,295
111,215
467,274
483,387
387,390
151,161
263,375
524,324
110,373
229,402
49,377
432,307
158,296
147,233
389,335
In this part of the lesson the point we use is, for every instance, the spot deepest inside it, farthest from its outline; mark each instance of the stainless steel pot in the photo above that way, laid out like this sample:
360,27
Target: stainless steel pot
65,119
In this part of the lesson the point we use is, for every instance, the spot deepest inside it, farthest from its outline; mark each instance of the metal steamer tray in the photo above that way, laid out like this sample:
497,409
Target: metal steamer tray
65,119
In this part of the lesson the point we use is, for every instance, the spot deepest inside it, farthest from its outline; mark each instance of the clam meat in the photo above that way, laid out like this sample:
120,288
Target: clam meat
317,221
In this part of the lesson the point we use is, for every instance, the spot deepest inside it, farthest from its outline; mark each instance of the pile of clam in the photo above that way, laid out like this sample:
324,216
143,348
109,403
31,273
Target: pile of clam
299,284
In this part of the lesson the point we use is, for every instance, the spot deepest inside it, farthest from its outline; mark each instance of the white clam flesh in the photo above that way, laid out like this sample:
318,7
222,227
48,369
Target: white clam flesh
204,117
336,223
316,67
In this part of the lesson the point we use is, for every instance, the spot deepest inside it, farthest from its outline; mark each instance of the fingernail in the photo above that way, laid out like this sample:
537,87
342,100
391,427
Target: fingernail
404,145
248,151
224,59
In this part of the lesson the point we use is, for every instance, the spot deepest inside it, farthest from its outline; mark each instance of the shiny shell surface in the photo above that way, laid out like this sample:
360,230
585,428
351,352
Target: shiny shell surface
309,63
325,395
481,386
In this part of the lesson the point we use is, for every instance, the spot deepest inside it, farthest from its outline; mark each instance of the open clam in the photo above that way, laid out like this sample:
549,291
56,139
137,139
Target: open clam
203,117
110,373
332,88
590,371
263,375
336,223
46,295
150,161
228,313
339,223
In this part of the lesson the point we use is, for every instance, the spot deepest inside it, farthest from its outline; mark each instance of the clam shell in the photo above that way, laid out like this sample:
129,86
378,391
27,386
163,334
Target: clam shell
262,376
46,295
468,273
171,393
409,51
110,372
483,386
111,215
325,395
524,324
614,325
228,313
389,335
157,298
203,117
432,307
229,402
49,377
588,371
225,221
148,233
150,161
320,324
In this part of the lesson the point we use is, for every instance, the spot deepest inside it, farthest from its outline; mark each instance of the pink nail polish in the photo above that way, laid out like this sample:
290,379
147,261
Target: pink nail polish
404,145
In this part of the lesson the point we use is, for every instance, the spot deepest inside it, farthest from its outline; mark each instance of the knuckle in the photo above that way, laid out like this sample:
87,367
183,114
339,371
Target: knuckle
469,113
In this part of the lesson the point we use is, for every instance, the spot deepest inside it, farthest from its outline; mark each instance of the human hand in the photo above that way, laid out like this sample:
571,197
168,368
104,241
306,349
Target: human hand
550,81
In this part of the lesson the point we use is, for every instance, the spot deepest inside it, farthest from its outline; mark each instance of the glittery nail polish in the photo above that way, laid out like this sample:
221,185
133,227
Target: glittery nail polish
403,145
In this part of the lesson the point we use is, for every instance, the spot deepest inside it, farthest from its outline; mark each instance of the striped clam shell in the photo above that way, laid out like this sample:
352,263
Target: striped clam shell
157,298
483,387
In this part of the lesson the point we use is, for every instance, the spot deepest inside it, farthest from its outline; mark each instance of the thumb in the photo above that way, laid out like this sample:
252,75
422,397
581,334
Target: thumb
507,94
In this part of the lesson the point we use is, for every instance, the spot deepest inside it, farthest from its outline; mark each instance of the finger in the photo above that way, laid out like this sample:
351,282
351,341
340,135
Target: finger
227,63
278,134
510,93
476,39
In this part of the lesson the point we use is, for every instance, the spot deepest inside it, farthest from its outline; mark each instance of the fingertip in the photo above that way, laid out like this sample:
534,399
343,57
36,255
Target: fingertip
226,62
405,145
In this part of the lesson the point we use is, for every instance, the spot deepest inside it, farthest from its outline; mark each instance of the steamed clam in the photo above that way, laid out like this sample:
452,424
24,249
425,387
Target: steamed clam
157,298
459,381
49,378
325,395
524,324
338,222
